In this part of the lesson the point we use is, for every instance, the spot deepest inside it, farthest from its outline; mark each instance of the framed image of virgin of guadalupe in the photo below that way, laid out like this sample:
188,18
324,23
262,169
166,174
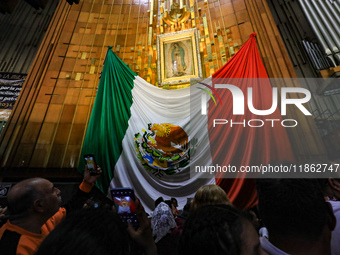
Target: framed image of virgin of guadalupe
178,57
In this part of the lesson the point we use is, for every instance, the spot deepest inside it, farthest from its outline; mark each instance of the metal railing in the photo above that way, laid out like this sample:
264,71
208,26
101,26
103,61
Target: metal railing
327,121
2,125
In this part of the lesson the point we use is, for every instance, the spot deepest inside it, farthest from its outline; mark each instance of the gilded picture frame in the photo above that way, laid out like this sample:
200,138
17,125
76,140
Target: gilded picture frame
178,57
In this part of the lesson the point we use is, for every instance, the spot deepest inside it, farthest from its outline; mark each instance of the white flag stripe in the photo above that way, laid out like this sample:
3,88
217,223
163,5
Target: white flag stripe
155,105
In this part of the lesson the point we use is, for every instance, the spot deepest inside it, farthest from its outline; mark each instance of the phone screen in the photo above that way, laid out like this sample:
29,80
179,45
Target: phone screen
90,162
124,200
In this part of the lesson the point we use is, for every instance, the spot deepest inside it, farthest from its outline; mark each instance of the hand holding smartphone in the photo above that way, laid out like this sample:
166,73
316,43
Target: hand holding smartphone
91,164
124,199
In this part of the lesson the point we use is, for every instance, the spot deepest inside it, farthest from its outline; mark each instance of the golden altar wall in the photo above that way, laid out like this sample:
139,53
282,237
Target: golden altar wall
49,121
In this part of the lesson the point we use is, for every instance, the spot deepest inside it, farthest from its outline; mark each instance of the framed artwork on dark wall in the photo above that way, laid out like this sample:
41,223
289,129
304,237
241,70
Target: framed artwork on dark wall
178,57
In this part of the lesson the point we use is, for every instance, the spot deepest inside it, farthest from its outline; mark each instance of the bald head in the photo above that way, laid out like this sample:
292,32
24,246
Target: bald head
22,196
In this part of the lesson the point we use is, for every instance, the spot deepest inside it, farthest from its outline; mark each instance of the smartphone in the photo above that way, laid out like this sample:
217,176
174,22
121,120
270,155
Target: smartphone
91,164
124,199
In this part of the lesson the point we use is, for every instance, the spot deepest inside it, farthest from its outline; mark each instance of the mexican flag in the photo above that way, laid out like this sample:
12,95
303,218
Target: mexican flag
152,139
144,137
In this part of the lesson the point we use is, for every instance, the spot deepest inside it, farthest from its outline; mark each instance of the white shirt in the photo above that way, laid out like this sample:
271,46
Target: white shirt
263,232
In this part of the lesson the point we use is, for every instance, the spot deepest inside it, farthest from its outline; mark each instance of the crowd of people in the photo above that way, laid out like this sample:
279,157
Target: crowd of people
293,216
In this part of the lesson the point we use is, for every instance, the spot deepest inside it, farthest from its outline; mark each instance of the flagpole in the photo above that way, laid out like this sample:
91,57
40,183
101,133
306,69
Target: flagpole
108,48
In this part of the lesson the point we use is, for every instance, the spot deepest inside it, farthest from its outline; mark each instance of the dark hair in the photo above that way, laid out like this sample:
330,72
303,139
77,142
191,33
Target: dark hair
87,231
323,182
173,199
212,229
188,204
168,202
186,209
158,201
292,207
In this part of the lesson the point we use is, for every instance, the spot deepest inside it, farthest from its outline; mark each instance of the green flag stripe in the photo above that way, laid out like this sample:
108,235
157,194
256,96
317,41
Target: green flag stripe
109,118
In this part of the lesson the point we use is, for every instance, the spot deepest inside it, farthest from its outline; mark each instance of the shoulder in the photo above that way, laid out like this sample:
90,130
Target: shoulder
335,205
9,240
15,240
29,244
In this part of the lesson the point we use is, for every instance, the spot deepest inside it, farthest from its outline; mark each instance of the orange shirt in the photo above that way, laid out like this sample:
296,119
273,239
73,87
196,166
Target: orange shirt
24,242
27,242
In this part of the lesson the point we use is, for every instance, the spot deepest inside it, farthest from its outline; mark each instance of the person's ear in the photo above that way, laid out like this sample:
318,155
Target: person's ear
38,205
331,218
